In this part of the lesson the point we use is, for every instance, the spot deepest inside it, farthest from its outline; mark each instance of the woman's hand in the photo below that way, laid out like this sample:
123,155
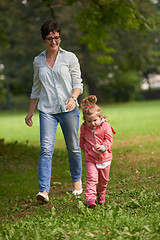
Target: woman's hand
70,104
28,120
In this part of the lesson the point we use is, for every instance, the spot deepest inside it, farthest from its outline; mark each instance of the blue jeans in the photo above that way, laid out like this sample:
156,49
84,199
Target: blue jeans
69,122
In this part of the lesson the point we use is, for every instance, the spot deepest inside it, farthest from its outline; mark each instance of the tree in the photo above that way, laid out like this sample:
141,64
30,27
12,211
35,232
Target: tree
20,37
93,29
96,17
110,33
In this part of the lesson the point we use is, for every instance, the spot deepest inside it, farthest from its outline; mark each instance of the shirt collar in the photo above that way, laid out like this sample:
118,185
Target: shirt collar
44,52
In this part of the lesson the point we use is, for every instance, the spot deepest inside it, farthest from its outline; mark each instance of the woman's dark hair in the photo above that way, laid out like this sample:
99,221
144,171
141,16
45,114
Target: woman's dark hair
48,27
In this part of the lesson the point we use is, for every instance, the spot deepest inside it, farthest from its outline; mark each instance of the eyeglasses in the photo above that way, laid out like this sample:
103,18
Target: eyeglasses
50,39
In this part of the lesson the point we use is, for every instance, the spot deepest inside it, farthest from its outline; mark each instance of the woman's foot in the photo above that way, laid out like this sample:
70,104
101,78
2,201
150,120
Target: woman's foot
42,196
77,188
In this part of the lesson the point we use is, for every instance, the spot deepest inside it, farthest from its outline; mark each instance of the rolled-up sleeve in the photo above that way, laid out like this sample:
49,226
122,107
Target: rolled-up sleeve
36,88
74,68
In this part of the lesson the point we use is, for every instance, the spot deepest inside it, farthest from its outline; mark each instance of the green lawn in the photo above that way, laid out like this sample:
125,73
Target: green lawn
132,203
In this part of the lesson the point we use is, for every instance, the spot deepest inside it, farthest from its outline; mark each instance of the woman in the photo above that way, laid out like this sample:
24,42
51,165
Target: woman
56,86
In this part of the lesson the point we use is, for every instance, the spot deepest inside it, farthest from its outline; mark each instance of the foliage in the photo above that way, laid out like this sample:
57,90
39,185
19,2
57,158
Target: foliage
97,17
132,203
21,30
120,87
102,33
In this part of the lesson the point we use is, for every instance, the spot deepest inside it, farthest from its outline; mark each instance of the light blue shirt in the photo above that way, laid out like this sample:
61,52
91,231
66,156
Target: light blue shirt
53,86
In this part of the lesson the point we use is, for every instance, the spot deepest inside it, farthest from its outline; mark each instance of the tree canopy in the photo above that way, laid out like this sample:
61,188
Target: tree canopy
116,42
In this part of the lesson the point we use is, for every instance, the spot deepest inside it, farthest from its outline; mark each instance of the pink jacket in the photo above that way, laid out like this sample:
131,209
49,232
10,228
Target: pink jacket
103,136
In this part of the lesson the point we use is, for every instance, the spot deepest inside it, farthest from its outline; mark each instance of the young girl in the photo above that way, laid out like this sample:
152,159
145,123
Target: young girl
95,140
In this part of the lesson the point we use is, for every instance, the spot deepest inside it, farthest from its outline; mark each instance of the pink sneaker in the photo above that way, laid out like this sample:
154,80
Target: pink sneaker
101,199
91,203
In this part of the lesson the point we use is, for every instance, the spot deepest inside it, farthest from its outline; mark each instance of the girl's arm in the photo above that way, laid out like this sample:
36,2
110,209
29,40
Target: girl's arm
108,138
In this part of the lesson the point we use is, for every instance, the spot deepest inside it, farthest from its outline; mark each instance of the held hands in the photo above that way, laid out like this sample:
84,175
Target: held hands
28,120
70,104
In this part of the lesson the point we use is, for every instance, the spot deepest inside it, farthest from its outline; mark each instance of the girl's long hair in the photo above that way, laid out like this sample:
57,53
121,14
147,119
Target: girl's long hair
89,107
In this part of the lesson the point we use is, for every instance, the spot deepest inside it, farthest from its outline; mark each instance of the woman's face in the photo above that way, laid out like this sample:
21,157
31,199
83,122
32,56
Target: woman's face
52,41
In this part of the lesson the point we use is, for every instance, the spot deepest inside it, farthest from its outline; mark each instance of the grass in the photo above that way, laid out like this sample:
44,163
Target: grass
132,203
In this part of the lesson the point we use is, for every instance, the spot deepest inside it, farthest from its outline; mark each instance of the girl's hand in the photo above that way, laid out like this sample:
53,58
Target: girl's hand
99,147
70,104
28,120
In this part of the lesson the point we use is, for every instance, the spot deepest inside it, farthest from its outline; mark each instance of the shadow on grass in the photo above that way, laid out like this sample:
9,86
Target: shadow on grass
19,179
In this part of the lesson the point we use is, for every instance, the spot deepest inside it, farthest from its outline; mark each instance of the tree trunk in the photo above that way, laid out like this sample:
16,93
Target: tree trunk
92,88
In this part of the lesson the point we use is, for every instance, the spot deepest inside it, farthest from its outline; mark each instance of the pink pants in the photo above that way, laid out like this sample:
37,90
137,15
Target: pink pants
97,180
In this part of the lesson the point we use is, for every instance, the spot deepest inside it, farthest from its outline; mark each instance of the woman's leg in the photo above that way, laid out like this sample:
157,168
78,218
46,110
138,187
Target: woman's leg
69,122
48,126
